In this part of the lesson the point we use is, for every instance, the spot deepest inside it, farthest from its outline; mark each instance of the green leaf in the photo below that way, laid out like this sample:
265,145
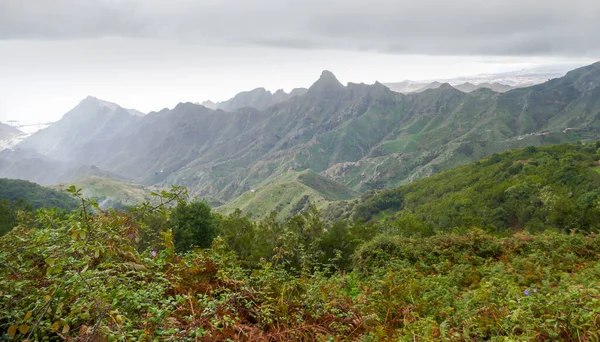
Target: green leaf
51,261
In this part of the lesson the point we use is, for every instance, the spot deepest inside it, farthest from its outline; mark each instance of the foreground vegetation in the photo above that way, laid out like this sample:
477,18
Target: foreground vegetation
178,271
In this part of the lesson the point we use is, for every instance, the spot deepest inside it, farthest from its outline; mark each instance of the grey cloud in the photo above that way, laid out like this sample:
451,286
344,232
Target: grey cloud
458,27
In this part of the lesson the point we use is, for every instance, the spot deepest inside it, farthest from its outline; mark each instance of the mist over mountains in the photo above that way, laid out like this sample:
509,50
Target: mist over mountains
407,87
8,132
350,138
501,82
259,98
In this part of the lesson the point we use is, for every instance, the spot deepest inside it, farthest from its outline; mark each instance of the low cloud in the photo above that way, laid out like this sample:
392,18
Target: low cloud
435,27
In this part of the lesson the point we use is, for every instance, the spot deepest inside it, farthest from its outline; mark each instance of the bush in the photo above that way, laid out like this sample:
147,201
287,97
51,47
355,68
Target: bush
194,225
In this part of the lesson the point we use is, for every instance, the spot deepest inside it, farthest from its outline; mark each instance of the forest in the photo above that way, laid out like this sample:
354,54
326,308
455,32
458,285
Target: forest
503,249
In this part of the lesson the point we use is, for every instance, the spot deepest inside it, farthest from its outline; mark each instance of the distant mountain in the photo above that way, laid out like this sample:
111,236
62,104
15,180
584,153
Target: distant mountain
361,136
407,87
500,82
208,104
30,165
259,98
91,121
63,150
8,132
470,87
432,85
33,166
520,78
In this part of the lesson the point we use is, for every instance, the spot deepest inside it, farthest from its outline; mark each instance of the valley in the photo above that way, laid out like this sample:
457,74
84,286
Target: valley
320,171
364,137
342,212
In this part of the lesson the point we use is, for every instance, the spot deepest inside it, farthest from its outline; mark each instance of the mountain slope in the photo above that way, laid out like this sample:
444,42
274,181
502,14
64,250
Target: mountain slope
362,136
35,167
35,195
468,87
92,121
111,192
8,132
289,194
532,188
258,98
407,87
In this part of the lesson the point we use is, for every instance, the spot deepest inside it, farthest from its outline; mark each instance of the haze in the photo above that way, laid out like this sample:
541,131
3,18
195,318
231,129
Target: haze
149,55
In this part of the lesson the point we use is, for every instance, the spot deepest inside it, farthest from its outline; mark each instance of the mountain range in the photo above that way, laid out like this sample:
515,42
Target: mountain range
349,138
259,98
500,82
407,87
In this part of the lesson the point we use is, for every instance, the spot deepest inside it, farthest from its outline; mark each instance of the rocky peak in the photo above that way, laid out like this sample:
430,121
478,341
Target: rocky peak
326,83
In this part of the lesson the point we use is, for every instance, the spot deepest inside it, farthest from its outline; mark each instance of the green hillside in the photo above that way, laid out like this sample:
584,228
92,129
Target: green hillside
22,195
290,194
533,188
35,195
111,192
368,137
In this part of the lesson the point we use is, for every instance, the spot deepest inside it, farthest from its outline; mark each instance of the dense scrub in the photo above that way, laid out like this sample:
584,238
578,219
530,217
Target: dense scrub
534,188
177,271
102,277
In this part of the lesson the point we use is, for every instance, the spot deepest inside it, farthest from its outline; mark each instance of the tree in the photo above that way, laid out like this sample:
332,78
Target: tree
239,234
194,225
8,217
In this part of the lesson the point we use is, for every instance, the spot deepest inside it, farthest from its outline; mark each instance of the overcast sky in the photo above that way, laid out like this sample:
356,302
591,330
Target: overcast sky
151,54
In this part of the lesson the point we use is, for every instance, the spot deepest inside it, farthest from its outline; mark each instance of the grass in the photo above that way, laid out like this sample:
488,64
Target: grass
289,194
127,194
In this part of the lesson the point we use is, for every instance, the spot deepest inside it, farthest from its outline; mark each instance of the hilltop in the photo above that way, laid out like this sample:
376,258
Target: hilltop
112,192
290,194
